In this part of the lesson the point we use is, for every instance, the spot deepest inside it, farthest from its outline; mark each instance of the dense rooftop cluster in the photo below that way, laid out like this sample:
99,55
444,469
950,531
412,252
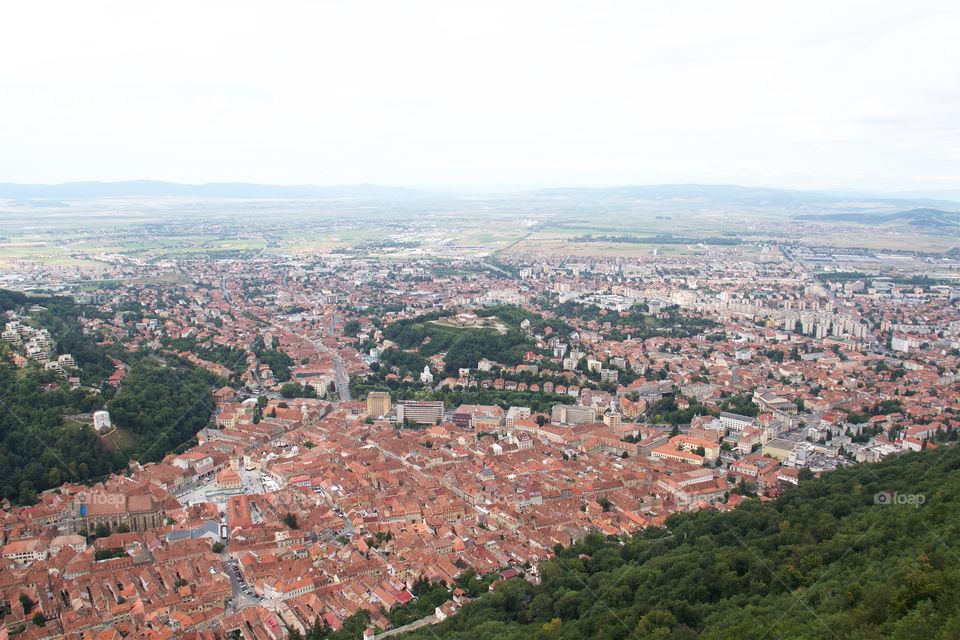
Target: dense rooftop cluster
385,427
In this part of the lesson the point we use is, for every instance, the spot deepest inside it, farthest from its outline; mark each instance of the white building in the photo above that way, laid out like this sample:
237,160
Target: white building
101,420
426,377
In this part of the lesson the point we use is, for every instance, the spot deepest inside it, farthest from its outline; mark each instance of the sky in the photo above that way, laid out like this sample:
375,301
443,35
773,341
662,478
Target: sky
483,95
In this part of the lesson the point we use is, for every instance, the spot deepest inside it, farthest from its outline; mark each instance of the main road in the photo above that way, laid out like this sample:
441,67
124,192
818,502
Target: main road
339,370
340,376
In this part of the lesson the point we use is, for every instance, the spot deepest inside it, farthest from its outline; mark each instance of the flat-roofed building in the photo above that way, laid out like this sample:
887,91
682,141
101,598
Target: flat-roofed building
420,411
378,404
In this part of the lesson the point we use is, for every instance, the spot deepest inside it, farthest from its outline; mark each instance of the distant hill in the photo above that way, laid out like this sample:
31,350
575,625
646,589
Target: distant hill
159,189
686,191
866,552
697,195
730,194
927,218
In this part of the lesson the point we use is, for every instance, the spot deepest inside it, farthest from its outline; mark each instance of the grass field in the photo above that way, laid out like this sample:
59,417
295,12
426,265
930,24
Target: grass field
85,234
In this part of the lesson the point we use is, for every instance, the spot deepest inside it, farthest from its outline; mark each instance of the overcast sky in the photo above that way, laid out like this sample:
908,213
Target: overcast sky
483,94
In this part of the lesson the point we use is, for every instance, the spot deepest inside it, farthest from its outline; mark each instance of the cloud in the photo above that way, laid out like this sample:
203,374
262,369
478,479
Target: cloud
818,94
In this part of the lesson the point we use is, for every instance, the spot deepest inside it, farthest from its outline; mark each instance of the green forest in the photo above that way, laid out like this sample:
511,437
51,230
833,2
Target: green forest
38,450
159,409
160,406
163,405
464,347
826,560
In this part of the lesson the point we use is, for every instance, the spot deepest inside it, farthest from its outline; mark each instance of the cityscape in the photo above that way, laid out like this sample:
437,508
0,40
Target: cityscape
390,415
480,321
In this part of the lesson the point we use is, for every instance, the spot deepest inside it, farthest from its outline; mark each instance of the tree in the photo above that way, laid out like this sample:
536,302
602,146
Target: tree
217,547
27,603
291,390
291,521
39,619
351,328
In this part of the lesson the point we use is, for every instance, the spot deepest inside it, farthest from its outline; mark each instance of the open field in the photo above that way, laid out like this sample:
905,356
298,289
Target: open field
93,233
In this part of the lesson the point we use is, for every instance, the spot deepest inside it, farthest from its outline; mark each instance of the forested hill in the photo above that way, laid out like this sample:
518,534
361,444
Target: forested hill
160,406
828,560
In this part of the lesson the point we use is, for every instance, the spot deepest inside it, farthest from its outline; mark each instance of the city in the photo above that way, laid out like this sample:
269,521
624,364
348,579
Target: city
380,426
433,320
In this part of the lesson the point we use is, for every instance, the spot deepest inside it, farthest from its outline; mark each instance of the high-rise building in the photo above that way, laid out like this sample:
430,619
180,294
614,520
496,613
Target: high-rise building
420,411
378,403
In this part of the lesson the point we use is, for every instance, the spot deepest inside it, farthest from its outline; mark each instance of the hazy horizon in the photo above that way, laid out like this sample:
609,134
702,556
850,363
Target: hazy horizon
856,97
931,194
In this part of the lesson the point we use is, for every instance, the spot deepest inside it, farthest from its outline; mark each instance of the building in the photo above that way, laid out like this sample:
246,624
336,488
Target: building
709,450
76,542
138,512
669,452
779,449
572,414
284,590
689,487
25,551
101,420
420,411
479,417
229,480
735,421
609,375
426,377
514,414
612,419
378,403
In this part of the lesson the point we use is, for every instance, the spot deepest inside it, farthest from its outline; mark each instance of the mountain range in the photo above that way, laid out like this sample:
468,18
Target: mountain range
697,193
921,217
160,189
